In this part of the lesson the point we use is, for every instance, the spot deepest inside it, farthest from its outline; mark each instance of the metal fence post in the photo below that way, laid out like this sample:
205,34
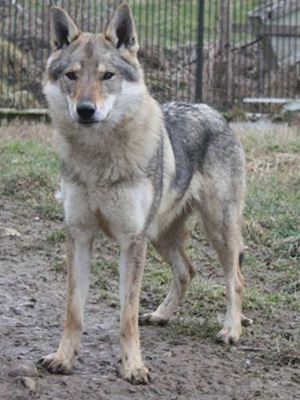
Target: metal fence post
200,39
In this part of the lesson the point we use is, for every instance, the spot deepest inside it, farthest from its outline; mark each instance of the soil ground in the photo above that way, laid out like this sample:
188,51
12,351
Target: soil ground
184,358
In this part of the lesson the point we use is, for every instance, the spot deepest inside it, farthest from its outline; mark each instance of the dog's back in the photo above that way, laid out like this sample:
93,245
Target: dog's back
201,140
204,145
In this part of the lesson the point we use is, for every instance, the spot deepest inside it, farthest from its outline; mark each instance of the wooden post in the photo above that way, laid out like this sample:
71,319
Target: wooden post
200,39
222,63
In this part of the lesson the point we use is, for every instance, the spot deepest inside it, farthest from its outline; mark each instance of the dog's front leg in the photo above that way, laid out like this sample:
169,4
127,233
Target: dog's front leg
131,271
78,246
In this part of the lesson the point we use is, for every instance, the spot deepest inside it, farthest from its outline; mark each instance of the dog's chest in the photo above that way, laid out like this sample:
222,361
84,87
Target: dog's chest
120,209
127,206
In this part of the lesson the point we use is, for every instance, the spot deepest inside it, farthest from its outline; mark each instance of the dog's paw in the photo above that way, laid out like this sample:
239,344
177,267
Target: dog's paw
229,335
246,321
56,364
152,319
137,374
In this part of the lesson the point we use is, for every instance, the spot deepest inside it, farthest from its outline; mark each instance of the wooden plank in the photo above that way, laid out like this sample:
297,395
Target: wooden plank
293,106
280,30
26,112
268,30
276,9
266,100
30,114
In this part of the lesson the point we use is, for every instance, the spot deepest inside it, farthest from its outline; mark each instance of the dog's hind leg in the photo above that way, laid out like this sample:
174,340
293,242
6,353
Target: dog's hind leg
222,222
78,246
171,246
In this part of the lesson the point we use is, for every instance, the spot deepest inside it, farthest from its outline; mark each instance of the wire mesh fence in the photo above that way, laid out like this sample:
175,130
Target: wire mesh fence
251,53
228,53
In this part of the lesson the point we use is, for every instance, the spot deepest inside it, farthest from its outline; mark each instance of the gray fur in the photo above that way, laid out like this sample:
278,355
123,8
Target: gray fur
69,175
201,139
129,71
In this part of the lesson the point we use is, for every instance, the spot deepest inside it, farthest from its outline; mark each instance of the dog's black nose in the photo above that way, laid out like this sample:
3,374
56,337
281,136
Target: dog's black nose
86,110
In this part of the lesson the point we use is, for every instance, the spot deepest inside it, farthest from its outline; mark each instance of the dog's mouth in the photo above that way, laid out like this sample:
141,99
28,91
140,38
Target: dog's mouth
88,123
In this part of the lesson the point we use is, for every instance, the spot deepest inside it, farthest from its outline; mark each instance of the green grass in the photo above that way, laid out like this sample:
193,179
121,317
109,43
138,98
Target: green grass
163,21
272,214
27,166
273,198
29,170
58,265
106,274
57,236
167,22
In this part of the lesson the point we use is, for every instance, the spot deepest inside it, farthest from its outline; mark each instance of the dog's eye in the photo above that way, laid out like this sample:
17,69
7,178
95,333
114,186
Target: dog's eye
71,75
107,76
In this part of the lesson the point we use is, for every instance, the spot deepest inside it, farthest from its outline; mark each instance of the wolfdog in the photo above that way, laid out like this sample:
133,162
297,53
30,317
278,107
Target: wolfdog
137,170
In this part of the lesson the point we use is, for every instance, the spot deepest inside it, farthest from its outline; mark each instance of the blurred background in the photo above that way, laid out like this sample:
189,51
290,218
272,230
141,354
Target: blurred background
233,54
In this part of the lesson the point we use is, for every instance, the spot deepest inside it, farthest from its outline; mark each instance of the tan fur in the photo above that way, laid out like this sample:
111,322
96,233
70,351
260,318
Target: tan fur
103,223
63,359
132,367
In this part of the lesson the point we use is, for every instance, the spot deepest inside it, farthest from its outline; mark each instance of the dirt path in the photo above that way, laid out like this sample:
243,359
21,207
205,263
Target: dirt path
31,313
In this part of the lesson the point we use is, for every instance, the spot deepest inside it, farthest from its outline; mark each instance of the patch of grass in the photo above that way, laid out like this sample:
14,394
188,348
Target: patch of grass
288,350
58,265
272,226
105,271
193,327
29,171
261,140
205,298
285,350
57,236
157,275
236,114
51,210
272,204
163,20
168,22
27,167
269,302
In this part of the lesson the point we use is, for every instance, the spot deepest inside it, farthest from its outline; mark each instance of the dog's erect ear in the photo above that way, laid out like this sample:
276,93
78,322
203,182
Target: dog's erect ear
63,29
121,30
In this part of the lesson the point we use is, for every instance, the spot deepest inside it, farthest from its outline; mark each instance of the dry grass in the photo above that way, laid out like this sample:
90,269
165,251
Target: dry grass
25,130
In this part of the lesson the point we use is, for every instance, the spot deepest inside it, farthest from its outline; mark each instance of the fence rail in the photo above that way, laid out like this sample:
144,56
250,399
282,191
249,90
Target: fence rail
217,51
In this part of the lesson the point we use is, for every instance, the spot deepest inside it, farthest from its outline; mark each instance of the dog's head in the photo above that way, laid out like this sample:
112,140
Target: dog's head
93,78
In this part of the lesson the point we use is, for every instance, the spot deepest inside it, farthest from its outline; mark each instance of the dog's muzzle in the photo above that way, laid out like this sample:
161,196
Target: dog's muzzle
86,111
